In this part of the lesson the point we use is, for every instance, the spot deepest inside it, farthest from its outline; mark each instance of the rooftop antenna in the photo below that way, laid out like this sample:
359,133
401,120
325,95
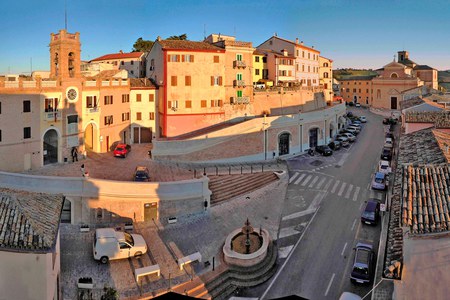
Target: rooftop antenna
204,31
65,15
31,65
235,31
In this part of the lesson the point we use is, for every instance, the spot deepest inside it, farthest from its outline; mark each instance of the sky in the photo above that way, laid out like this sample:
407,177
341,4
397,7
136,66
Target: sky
353,33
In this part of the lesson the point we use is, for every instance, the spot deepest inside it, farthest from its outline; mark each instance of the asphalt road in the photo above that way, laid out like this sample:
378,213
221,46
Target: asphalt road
321,219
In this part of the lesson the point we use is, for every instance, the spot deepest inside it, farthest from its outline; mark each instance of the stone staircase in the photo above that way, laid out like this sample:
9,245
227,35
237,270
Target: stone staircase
224,285
225,187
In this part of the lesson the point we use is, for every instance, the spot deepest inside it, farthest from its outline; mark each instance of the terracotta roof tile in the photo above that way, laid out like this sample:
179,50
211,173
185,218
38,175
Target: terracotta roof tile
29,221
119,56
187,45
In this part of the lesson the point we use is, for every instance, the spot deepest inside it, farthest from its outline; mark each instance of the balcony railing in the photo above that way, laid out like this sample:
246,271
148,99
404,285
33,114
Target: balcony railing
239,83
52,116
93,110
239,64
240,100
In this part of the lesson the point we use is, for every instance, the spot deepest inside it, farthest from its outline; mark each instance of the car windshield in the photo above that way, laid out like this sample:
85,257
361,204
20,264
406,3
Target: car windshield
119,149
129,238
141,174
369,215
379,180
384,167
359,270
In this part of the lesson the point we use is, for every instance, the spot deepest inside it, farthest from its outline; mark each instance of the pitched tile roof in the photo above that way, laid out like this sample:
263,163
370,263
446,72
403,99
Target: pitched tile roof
29,221
440,119
187,45
141,82
426,198
119,56
423,67
443,139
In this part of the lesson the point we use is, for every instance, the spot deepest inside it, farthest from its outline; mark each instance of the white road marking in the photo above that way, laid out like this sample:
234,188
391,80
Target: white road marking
328,184
347,194
283,252
316,201
298,214
280,270
342,189
354,223
299,179
306,180
343,250
320,183
335,186
288,231
355,196
293,177
361,205
329,285
313,182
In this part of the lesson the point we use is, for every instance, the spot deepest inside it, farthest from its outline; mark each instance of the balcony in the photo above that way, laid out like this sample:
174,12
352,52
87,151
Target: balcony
240,100
240,83
52,116
93,110
239,64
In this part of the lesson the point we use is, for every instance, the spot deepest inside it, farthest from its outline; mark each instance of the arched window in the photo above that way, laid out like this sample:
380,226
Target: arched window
71,64
325,75
394,75
56,62
325,64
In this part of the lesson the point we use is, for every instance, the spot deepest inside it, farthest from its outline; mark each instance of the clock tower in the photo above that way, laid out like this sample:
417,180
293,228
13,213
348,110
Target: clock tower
65,52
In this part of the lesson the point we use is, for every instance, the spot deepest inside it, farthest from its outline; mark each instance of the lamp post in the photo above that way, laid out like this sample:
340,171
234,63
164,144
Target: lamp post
264,124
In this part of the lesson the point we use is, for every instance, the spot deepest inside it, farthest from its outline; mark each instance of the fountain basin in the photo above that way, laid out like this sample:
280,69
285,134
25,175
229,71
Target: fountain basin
245,260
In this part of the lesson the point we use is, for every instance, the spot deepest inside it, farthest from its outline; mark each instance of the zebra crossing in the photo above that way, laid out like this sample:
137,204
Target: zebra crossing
328,184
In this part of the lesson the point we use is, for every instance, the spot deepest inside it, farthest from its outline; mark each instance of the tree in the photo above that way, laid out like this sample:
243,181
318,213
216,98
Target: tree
142,45
178,37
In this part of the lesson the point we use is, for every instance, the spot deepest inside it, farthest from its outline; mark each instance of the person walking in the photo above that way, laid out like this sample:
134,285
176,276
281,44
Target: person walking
84,173
74,154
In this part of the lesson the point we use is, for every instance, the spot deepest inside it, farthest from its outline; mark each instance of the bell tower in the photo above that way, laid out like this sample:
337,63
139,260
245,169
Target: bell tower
65,52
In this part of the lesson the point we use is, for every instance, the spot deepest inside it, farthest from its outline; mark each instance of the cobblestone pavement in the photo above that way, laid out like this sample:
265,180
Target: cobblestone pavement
205,234
106,166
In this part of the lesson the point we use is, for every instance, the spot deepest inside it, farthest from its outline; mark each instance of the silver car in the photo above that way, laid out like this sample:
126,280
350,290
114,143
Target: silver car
343,140
349,136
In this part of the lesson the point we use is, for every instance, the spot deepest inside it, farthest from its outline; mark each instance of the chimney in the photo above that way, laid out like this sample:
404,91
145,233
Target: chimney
301,43
121,52
285,52
312,47
296,40
158,38
275,34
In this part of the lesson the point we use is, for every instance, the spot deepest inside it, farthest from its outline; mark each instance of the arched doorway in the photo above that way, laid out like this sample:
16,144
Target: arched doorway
313,137
283,143
332,130
89,137
50,147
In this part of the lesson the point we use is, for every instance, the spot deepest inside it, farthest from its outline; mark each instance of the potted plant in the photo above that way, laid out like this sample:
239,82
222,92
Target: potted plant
84,228
85,283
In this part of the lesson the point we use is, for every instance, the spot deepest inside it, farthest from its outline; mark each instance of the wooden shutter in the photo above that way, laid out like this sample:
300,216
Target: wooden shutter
220,80
212,80
169,104
151,97
174,80
192,58
203,103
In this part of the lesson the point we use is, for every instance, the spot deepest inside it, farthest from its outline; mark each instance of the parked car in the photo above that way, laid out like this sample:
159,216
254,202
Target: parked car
335,145
349,114
350,130
351,137
379,181
324,150
363,265
110,244
357,104
141,174
389,121
349,296
356,123
386,154
343,140
389,135
384,167
371,212
363,119
122,150
388,141
357,128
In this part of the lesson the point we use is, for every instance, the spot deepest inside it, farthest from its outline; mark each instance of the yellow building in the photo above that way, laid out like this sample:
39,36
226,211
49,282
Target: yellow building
326,77
259,73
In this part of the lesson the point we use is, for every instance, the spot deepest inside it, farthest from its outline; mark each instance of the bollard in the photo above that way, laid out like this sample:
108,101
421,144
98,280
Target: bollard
214,262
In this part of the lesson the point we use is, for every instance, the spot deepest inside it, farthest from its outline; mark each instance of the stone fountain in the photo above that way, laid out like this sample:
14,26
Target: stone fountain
246,247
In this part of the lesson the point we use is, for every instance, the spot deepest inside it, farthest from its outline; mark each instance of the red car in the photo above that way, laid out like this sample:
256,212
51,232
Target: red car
122,150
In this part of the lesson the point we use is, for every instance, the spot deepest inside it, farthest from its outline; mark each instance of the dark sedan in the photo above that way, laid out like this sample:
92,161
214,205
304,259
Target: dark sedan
335,145
324,150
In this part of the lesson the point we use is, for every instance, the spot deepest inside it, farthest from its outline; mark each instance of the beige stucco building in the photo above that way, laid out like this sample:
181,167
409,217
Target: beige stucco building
29,245
132,62
43,118
306,64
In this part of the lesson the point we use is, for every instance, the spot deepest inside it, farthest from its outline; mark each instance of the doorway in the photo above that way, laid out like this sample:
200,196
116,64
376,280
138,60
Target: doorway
150,211
313,137
393,102
50,147
283,144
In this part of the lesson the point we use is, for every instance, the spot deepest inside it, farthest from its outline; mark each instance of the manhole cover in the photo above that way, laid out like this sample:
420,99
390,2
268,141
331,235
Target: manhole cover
316,163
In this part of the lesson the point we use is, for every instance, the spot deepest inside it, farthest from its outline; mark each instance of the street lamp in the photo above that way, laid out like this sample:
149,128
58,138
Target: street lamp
264,124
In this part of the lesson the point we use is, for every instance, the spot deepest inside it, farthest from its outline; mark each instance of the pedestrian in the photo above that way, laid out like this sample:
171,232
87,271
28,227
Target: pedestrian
84,173
74,154
273,155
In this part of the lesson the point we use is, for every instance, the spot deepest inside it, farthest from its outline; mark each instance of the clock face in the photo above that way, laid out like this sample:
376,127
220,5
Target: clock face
72,94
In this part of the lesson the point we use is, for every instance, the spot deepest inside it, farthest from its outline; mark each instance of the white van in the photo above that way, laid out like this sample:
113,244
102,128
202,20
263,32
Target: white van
110,244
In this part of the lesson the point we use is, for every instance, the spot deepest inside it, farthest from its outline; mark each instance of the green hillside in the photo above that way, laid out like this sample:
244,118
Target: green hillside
346,73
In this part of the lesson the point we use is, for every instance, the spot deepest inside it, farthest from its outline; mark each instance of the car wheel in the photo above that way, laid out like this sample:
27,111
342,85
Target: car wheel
104,259
137,254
